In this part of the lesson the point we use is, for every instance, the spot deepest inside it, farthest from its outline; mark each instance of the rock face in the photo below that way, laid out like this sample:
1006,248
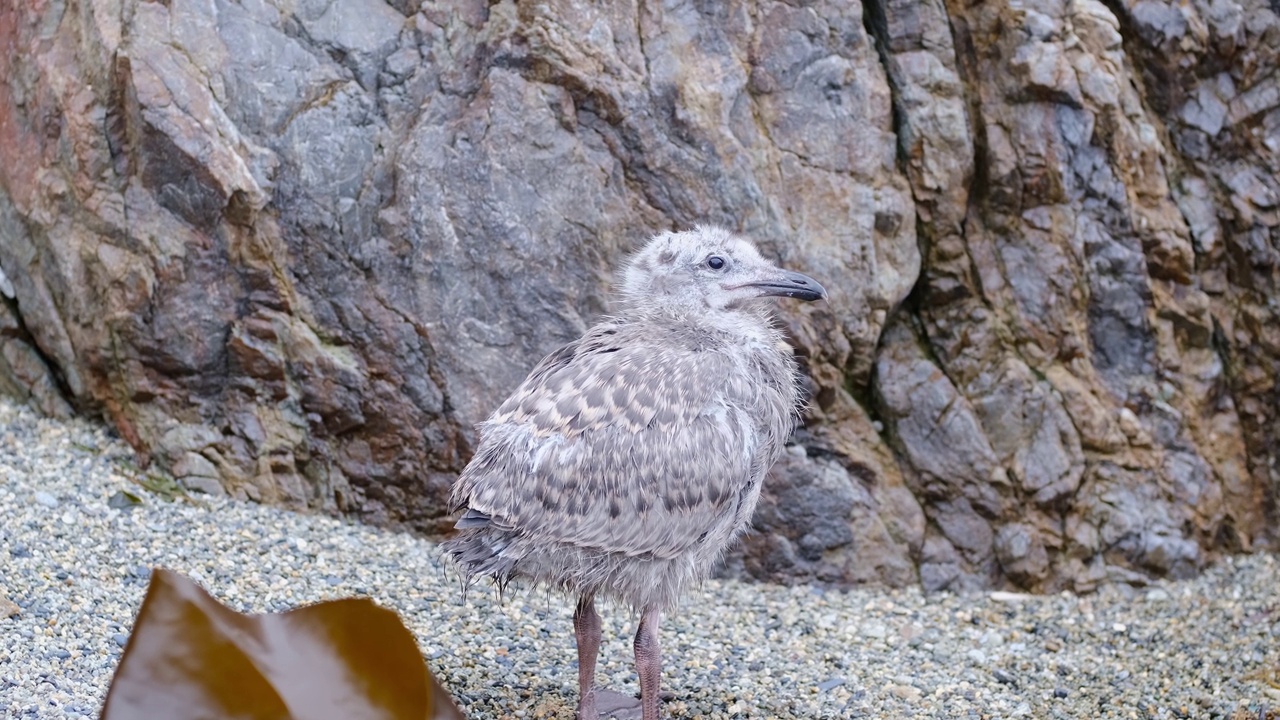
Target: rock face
295,252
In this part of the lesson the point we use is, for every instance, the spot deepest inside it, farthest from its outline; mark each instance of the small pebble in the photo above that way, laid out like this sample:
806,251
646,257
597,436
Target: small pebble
826,685
905,692
875,630
46,499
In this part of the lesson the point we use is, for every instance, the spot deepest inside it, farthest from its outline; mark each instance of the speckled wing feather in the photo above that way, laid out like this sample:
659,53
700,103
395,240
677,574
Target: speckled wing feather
616,443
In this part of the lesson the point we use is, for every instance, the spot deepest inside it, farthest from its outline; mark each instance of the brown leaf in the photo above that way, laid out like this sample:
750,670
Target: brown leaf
192,657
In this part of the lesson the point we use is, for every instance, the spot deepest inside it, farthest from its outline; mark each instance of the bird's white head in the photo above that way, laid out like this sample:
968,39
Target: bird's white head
707,268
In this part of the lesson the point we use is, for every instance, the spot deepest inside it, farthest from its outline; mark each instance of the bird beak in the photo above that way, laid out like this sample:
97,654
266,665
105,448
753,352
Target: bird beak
785,283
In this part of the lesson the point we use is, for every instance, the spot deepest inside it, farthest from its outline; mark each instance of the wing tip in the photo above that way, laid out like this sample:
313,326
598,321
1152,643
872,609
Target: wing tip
472,518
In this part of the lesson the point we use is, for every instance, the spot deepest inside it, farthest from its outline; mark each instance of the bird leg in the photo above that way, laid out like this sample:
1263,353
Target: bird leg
586,626
648,662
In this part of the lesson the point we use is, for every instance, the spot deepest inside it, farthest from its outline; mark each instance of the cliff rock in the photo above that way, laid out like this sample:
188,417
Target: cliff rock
295,251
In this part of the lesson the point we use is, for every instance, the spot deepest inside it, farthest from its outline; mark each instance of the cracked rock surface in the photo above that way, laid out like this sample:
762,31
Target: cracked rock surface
293,252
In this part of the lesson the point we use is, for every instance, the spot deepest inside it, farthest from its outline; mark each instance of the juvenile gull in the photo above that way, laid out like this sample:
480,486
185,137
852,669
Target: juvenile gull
630,458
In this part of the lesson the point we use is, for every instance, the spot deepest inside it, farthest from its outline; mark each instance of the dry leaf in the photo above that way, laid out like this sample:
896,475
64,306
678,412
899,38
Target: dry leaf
192,657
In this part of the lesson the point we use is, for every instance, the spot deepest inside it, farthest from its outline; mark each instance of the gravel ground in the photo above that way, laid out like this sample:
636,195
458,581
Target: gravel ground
73,571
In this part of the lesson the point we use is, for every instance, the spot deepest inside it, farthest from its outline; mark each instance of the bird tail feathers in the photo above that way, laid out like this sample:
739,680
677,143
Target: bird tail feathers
479,553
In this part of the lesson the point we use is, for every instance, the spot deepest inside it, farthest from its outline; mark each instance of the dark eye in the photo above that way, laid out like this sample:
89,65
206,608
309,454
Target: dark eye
715,262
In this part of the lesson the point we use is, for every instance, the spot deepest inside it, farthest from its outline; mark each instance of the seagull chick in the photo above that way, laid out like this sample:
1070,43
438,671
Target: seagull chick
629,459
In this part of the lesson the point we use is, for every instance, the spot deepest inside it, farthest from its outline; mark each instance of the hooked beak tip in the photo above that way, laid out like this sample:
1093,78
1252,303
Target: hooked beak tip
794,285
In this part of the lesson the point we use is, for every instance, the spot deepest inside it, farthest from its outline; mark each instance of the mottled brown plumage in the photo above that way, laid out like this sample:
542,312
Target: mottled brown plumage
630,458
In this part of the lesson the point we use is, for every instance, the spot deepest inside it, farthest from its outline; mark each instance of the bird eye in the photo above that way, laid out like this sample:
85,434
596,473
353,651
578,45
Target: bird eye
715,262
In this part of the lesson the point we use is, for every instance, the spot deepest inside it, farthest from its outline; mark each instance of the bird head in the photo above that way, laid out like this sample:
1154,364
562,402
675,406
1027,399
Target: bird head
708,268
